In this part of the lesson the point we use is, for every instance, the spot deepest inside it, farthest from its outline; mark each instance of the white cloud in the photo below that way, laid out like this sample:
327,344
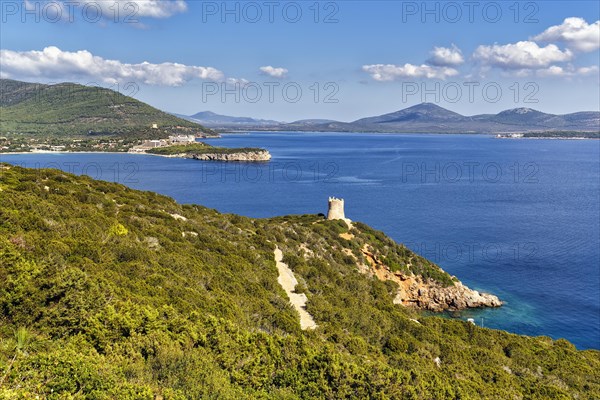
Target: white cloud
524,54
241,82
446,57
575,32
569,71
390,72
53,63
593,69
156,8
274,72
121,9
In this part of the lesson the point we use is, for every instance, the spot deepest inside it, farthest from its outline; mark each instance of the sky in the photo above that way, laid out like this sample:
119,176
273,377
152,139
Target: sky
293,60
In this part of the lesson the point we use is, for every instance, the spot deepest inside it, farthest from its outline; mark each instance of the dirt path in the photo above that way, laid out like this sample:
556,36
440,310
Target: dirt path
288,282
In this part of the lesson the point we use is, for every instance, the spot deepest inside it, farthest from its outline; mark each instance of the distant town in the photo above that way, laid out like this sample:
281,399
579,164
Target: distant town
22,143
550,135
155,143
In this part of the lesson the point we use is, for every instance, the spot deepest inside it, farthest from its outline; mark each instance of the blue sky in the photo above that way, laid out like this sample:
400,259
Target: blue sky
349,60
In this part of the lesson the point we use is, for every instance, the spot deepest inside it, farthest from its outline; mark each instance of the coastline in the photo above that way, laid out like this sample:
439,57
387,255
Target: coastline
87,152
507,320
183,155
547,138
63,152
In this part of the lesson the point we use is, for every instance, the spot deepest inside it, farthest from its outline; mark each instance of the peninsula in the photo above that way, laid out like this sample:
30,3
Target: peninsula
415,290
206,152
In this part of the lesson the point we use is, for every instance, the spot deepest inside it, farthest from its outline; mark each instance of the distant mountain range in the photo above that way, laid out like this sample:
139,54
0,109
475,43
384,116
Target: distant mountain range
208,118
70,109
421,118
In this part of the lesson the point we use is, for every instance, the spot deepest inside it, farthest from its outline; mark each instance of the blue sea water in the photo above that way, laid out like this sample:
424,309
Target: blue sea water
517,218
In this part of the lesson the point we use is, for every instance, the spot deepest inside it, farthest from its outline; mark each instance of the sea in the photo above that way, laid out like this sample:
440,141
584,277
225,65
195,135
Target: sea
519,218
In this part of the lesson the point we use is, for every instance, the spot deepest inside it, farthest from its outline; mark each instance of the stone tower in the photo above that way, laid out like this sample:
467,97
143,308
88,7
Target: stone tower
336,209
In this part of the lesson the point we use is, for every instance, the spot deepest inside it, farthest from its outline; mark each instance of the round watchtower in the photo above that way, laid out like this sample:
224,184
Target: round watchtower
336,209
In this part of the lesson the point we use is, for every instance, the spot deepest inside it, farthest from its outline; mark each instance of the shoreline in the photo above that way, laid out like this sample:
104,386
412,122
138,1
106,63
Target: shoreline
63,152
87,152
181,156
548,138
247,132
492,134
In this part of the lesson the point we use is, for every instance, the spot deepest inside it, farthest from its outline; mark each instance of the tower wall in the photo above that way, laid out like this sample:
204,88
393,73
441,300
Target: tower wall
336,209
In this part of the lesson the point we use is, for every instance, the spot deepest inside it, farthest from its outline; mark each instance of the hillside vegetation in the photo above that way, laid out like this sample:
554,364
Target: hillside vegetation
200,148
112,293
69,109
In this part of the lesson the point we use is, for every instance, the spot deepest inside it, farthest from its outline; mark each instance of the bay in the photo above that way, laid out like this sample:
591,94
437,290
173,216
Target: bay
517,218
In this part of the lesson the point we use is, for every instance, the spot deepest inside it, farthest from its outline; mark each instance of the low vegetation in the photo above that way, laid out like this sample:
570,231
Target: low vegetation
112,293
200,148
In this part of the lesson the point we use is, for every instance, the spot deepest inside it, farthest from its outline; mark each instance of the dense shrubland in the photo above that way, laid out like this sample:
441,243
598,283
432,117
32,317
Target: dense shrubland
200,148
111,293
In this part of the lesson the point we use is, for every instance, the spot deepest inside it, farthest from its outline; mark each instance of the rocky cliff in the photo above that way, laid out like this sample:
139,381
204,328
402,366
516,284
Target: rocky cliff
250,156
415,291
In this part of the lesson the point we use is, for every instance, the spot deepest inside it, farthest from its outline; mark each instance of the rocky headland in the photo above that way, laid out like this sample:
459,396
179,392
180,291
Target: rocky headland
205,152
418,292
242,156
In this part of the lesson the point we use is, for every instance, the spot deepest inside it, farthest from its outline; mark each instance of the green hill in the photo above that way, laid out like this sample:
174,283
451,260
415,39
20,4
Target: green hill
112,293
69,109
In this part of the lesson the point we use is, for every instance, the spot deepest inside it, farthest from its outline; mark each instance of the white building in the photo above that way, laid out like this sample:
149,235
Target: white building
182,139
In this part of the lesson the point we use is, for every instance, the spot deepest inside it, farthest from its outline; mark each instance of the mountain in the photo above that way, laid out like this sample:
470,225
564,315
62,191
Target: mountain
311,122
430,118
519,116
422,113
420,118
225,122
113,293
306,124
211,119
71,109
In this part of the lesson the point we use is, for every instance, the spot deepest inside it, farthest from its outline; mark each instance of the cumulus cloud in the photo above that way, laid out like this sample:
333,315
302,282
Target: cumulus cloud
274,72
557,71
241,82
390,72
575,32
53,63
108,9
156,8
446,57
524,54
